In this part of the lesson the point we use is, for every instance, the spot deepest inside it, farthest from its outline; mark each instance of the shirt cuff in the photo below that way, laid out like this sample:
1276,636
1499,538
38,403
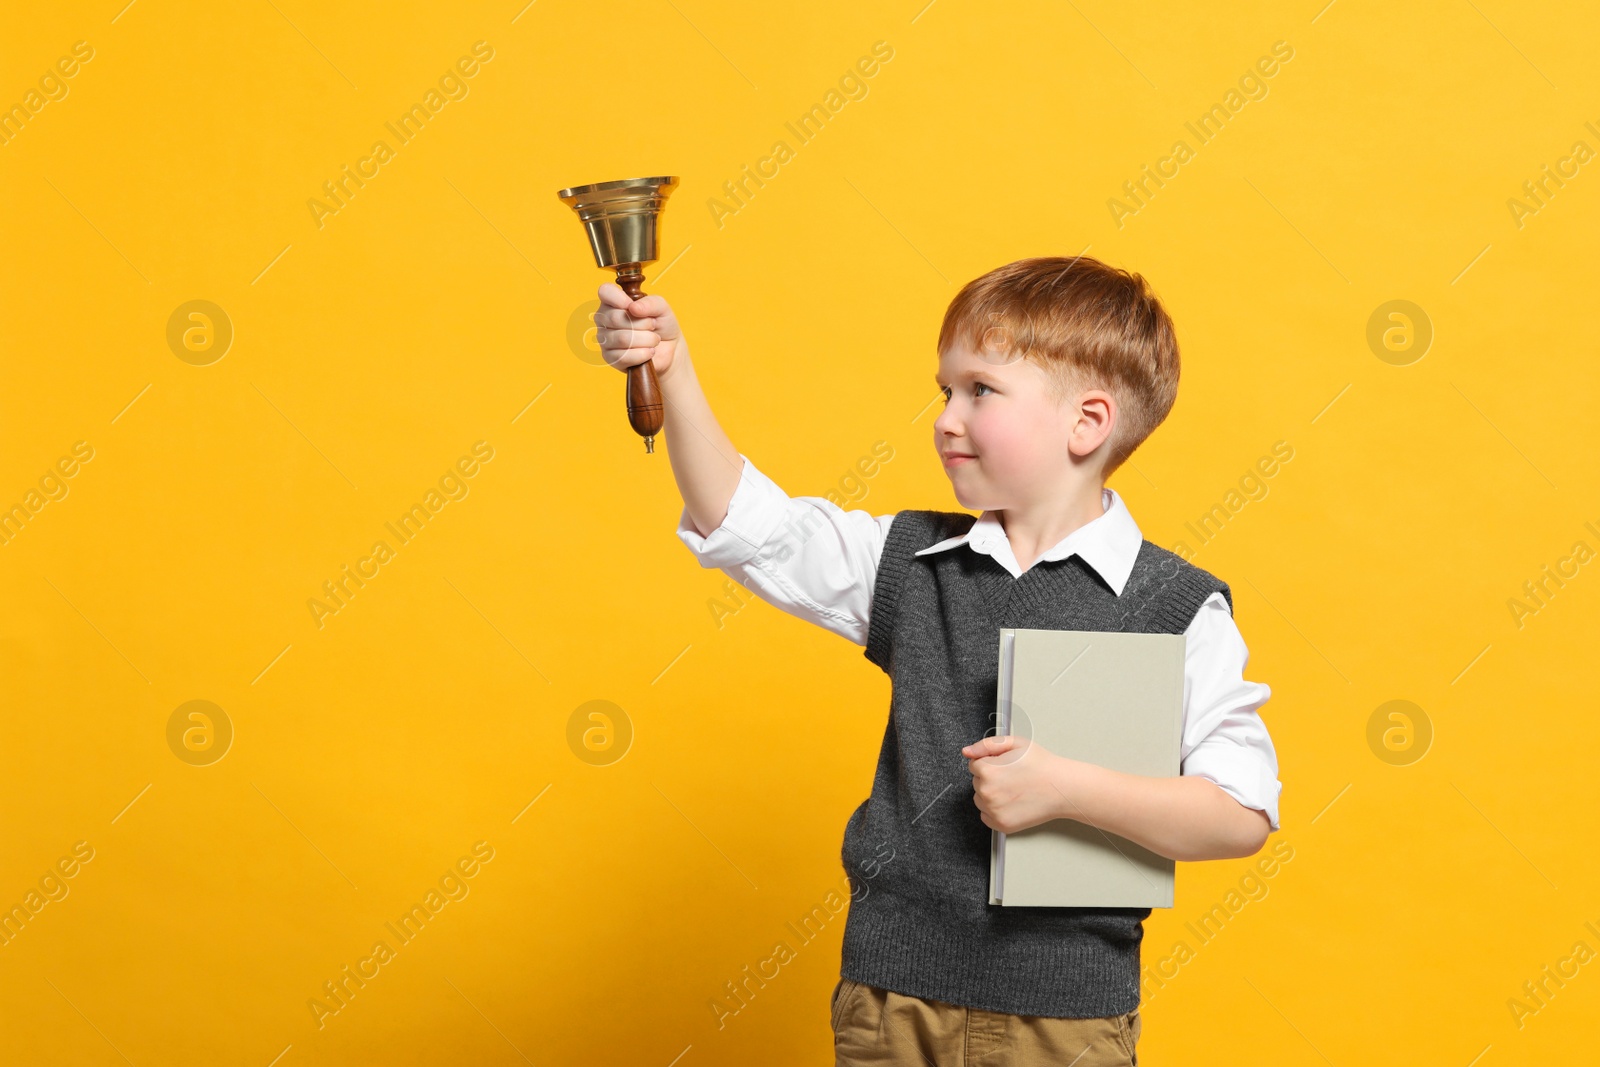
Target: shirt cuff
1239,772
755,510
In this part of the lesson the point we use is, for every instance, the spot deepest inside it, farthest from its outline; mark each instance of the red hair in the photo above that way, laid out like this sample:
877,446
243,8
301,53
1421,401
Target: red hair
1089,325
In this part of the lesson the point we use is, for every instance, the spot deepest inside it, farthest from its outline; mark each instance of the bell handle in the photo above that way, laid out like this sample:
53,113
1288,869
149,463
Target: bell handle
646,410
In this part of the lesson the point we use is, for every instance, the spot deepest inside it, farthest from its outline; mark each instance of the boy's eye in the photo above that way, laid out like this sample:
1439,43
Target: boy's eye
945,390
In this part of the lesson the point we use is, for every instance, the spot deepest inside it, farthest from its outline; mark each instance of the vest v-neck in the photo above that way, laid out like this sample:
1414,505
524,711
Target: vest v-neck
1010,599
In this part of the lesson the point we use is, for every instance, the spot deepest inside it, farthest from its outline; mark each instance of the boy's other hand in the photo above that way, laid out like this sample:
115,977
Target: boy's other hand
631,331
1014,782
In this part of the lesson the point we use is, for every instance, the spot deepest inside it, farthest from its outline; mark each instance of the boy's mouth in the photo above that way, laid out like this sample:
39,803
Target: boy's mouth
955,459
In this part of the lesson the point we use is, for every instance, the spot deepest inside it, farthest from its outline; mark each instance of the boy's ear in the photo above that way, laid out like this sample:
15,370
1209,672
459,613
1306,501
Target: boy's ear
1093,418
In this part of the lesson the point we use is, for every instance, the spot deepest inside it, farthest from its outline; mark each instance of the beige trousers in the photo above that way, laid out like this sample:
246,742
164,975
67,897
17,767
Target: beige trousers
879,1027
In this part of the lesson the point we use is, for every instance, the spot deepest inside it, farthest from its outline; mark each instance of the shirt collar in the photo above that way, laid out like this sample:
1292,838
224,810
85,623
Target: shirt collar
1108,543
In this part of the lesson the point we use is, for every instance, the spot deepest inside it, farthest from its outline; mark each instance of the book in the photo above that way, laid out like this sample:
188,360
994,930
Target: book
1108,698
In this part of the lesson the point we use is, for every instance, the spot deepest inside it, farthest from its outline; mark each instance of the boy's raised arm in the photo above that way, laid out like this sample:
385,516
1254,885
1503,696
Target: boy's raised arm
704,461
804,555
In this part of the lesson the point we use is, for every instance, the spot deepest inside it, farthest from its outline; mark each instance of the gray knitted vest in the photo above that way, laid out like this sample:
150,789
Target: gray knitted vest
917,850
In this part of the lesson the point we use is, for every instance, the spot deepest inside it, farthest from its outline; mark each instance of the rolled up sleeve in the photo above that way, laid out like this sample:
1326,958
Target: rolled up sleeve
756,509
1224,737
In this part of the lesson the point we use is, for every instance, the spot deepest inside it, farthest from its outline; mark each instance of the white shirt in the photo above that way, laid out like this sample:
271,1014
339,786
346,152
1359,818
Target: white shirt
816,561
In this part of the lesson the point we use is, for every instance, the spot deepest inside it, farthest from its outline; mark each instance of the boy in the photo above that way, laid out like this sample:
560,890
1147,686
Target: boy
1053,371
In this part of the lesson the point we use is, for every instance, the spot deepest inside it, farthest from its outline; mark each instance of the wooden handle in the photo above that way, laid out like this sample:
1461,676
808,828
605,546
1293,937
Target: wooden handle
646,411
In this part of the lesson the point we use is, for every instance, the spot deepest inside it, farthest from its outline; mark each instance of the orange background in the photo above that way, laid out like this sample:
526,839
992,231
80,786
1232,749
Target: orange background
444,305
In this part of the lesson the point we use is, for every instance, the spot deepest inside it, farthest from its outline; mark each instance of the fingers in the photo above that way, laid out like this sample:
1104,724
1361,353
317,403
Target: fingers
613,318
611,295
624,339
612,338
622,347
651,305
647,306
627,347
990,746
630,331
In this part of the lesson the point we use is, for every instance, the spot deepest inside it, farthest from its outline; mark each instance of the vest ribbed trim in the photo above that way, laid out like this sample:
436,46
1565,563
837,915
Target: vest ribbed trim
989,963
909,533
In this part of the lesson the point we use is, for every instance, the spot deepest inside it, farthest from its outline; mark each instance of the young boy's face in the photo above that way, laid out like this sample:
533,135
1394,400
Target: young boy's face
999,411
